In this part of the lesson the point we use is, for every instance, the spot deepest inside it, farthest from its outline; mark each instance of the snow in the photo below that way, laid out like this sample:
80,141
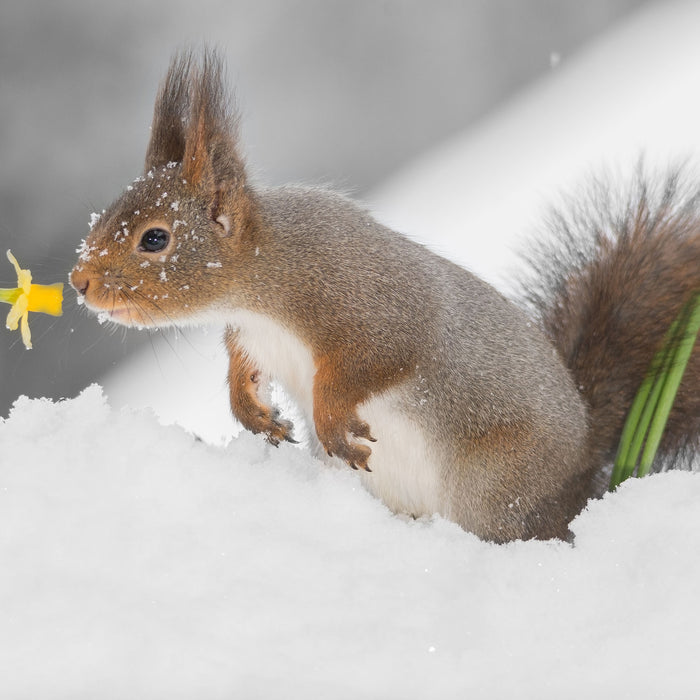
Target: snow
141,562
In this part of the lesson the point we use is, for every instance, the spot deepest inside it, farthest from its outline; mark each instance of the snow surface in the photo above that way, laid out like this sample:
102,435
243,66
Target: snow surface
139,562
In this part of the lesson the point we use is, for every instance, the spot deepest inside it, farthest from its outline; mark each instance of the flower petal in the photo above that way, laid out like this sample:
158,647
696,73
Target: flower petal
26,333
24,277
18,310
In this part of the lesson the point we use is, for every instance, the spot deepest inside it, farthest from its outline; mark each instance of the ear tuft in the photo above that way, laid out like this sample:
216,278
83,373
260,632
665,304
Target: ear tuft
194,124
210,159
167,143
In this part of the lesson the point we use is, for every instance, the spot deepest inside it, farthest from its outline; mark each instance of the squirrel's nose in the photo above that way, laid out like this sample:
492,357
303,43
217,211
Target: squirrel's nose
79,280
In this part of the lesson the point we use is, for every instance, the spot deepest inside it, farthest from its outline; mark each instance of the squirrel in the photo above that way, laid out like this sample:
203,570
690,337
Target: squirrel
448,397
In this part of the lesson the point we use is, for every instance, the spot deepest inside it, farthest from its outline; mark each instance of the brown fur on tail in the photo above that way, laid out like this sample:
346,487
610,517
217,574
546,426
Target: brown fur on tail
619,271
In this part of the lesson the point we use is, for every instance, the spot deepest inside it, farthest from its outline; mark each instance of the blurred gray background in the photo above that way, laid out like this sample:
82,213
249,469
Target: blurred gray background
341,93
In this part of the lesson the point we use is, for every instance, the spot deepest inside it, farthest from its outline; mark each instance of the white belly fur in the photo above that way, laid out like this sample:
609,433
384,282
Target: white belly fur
405,475
279,354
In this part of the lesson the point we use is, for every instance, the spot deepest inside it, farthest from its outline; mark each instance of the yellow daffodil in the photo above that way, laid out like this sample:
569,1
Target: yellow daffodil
26,297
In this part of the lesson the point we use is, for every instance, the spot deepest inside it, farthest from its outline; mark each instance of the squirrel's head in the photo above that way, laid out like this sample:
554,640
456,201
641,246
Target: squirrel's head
161,252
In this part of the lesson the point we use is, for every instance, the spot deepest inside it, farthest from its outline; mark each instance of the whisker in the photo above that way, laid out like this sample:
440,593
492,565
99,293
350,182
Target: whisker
87,348
155,355
118,289
131,298
178,330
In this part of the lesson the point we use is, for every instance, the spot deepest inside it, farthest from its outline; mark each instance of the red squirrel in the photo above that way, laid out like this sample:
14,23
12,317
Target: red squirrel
449,398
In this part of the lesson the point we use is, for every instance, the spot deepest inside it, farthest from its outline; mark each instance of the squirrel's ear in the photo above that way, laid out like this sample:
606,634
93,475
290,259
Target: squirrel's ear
171,111
211,162
234,209
210,159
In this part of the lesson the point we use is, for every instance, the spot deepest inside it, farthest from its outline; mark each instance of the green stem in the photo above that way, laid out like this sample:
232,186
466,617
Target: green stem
642,410
627,452
651,406
673,380
9,296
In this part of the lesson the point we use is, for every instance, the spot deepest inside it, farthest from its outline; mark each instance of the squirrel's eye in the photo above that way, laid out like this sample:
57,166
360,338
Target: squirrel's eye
154,239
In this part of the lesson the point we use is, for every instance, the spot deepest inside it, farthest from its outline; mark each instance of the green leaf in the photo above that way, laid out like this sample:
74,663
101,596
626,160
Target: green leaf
652,405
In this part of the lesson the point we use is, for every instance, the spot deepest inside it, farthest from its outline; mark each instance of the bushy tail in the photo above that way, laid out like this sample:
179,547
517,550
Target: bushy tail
616,276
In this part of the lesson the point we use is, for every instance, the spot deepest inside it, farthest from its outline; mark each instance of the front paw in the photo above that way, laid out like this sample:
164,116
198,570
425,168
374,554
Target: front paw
354,454
274,428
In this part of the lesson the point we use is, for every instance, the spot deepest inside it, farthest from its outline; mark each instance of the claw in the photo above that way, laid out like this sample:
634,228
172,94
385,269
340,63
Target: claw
337,441
360,429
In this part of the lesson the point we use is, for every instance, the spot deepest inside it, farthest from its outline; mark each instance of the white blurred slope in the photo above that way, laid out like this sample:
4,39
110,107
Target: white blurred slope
182,377
634,91
476,198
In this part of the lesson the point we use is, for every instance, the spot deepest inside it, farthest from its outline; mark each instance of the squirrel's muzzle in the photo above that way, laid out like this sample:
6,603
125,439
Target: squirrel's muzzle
79,280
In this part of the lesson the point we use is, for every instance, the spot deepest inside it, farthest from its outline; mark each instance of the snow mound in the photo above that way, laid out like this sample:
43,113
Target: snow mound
141,562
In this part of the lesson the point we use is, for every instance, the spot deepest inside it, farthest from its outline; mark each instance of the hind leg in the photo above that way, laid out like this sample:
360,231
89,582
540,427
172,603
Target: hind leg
515,483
